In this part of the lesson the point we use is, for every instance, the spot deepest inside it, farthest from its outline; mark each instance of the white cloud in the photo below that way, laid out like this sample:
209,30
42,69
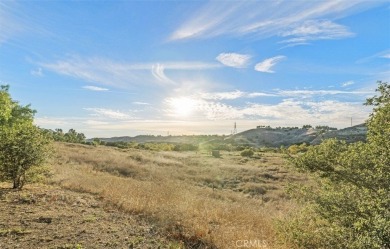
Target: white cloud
266,65
11,25
219,111
140,103
315,30
95,88
260,94
348,83
238,18
222,95
119,74
16,22
158,73
305,93
233,59
233,95
38,72
108,113
386,56
287,111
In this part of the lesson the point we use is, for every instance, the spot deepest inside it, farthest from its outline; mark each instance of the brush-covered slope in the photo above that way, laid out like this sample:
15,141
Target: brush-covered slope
270,137
259,137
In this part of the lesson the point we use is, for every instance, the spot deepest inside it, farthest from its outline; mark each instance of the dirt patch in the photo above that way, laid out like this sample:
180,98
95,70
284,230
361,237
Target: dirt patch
42,216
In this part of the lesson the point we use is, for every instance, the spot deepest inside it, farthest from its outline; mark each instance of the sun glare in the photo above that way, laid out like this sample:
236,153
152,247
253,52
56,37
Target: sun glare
182,106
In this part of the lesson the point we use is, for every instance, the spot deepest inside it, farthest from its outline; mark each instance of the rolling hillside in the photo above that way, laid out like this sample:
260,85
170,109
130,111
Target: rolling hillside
259,137
270,137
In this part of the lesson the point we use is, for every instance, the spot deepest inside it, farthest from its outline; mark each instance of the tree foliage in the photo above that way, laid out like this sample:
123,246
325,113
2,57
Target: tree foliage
23,146
353,196
72,136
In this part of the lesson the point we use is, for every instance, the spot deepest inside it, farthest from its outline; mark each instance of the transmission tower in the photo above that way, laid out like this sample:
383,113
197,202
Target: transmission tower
235,129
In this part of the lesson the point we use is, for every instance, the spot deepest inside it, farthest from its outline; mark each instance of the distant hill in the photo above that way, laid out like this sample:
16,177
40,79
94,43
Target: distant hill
350,134
271,137
259,137
186,139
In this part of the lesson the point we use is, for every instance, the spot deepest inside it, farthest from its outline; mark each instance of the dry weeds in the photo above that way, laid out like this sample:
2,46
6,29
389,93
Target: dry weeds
205,202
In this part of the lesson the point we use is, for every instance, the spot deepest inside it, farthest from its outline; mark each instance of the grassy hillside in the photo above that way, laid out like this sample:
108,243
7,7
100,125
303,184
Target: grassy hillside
260,137
202,201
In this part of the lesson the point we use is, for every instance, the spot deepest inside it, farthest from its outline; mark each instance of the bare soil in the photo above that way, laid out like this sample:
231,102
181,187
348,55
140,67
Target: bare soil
44,216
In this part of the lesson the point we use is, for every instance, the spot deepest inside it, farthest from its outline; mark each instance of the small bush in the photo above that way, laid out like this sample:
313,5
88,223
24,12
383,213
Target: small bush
247,153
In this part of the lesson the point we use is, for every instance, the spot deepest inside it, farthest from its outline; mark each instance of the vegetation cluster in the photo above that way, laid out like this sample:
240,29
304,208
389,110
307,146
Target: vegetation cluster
340,196
23,146
349,207
72,136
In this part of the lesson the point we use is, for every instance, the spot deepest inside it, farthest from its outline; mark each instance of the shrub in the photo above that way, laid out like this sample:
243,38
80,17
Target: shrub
247,153
23,146
353,196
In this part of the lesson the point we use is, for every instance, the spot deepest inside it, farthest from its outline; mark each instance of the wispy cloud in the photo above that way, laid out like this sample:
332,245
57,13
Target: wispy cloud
347,83
38,72
324,112
15,24
95,88
381,55
121,74
233,95
315,30
237,94
237,18
108,113
305,93
291,106
11,26
233,59
222,95
158,73
286,111
140,103
266,65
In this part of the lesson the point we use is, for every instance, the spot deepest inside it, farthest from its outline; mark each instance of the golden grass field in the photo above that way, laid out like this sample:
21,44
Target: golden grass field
192,197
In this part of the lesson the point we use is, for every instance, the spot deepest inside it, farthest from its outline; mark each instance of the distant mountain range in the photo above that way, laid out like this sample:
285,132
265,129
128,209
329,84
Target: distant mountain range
259,137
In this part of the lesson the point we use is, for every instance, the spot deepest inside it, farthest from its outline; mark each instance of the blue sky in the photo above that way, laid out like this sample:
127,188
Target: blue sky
112,68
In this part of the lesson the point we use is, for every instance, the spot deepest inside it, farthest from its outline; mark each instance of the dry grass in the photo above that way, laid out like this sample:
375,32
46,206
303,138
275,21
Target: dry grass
203,201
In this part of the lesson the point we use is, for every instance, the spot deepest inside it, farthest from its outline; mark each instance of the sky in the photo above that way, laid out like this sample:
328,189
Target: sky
126,68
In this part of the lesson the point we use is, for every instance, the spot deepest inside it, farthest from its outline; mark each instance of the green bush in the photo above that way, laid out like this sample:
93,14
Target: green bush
247,153
352,200
23,146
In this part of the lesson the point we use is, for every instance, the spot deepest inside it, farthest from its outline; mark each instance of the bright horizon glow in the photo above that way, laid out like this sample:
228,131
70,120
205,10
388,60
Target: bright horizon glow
182,106
126,68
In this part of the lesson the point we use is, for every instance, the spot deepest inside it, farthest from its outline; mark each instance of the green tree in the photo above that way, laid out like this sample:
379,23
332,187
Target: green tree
5,105
353,197
23,146
23,149
11,113
72,136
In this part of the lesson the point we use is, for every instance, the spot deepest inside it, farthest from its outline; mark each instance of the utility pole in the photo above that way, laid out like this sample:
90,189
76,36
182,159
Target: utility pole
235,129
351,121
